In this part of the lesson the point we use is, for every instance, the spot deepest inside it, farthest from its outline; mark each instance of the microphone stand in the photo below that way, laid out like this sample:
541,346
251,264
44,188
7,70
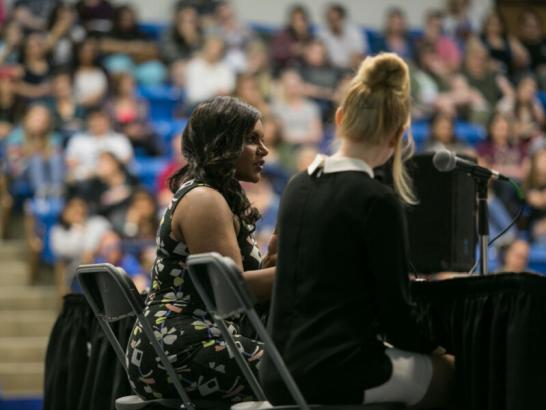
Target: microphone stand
483,222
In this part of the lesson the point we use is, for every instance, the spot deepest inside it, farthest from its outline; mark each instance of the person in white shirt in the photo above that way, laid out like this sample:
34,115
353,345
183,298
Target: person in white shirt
75,239
344,41
207,75
299,116
83,150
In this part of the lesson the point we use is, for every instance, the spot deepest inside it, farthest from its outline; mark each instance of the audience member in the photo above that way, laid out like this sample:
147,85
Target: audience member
207,74
263,197
257,64
299,117
130,115
176,162
531,35
32,14
109,192
447,55
111,251
344,42
34,153
234,32
396,38
36,70
506,154
126,38
442,135
183,38
535,187
288,45
460,22
90,80
68,115
527,110
516,257
83,150
247,89
491,84
75,239
320,78
139,221
505,50
64,32
10,45
97,16
9,107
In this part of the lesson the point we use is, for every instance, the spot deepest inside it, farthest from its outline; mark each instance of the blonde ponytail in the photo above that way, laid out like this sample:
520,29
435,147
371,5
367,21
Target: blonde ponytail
376,107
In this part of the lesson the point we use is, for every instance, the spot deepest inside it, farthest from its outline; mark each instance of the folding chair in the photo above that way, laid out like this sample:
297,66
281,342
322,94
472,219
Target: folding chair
226,295
112,296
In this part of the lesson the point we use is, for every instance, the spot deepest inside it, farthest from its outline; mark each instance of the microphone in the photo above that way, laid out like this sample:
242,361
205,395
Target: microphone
445,161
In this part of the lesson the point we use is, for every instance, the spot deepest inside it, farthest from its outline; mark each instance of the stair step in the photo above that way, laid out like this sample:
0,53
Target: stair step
26,323
13,248
16,378
14,272
28,298
23,349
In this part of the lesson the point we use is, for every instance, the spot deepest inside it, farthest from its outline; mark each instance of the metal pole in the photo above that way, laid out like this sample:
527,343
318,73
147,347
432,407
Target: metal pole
483,224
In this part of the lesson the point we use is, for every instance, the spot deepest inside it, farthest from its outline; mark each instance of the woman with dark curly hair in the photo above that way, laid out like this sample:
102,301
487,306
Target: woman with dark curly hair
223,144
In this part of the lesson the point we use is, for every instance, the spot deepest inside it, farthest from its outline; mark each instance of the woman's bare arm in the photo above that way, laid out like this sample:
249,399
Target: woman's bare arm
204,221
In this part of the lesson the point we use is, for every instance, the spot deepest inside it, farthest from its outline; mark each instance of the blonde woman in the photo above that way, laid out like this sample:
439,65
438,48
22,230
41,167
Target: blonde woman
342,290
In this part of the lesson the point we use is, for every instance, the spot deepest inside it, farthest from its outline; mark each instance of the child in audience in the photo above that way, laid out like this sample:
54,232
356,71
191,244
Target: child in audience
535,187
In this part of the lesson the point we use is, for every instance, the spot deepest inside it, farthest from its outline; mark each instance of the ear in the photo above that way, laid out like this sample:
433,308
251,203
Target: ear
397,137
339,116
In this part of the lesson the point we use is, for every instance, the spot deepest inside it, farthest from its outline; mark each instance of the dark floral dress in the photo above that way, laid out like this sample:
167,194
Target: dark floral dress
184,329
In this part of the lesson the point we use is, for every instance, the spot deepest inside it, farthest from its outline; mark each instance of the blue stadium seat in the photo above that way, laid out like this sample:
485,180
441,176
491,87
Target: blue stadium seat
469,132
541,95
154,30
267,30
162,99
147,169
167,130
375,38
537,259
46,213
420,131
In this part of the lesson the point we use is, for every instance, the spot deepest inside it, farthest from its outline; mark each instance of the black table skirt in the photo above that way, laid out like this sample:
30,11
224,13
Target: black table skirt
82,371
495,325
496,328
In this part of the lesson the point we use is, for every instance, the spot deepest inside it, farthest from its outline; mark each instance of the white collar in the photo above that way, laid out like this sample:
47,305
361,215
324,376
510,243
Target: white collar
329,165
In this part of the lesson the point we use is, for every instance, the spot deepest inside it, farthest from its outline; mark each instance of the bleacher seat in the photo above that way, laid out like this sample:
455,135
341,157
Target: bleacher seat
537,259
470,132
467,132
375,38
167,129
420,130
147,169
46,213
154,30
162,99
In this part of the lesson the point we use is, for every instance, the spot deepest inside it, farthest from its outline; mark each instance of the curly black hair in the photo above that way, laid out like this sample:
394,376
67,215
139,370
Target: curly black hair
212,142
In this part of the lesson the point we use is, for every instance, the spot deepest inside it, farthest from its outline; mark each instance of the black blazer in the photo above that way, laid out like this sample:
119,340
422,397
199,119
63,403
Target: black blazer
342,284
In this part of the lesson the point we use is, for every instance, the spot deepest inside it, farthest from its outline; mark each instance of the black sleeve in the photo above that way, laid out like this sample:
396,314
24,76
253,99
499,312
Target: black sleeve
387,263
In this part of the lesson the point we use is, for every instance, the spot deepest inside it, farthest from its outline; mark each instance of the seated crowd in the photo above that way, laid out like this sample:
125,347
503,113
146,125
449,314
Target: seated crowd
92,103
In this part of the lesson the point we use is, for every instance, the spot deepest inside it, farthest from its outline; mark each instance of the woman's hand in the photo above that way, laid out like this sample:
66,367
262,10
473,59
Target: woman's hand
271,257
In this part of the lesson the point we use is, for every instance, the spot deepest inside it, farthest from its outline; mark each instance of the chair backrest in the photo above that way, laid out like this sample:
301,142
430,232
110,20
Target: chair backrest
112,295
229,307
231,296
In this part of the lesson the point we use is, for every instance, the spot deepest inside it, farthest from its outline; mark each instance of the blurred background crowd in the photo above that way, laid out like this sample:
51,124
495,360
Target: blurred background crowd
93,100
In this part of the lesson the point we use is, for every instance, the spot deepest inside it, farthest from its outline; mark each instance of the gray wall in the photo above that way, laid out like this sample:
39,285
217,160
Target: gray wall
369,13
